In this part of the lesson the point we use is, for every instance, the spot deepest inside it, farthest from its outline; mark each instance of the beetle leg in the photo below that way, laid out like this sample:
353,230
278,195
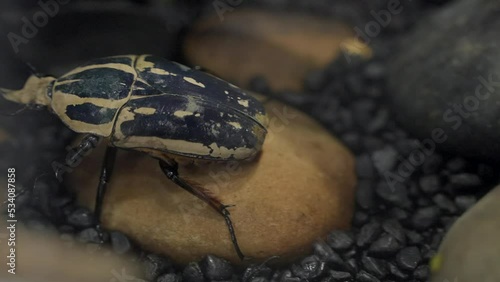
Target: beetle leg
76,155
106,172
170,170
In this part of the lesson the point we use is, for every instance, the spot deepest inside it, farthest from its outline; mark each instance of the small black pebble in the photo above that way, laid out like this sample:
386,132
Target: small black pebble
445,204
335,262
414,238
396,272
465,180
432,164
352,141
155,265
385,246
464,202
192,273
120,242
360,218
259,279
399,214
310,268
408,258
81,218
169,277
216,268
365,194
322,249
372,143
315,80
374,266
430,184
364,167
340,276
422,273
396,194
364,276
368,233
385,159
378,121
394,228
256,271
66,229
340,240
351,265
456,164
287,276
374,70
425,217
89,235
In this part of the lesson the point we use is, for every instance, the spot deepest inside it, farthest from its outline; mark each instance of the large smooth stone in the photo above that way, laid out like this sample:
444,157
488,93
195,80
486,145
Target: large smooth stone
300,188
45,257
282,47
470,250
439,79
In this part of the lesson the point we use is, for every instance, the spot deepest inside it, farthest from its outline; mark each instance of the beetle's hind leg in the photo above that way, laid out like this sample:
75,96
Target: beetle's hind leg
170,170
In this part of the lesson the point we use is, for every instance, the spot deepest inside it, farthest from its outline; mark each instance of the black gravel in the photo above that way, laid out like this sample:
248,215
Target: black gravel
402,210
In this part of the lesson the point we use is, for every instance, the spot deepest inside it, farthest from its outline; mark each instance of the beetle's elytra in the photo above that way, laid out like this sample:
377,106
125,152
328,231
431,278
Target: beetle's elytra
150,104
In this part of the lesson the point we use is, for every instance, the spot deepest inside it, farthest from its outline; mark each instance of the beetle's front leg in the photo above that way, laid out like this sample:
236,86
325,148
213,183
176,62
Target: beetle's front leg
75,156
170,170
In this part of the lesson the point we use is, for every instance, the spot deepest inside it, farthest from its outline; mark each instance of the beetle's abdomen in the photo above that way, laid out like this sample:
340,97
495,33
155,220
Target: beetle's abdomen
187,126
88,98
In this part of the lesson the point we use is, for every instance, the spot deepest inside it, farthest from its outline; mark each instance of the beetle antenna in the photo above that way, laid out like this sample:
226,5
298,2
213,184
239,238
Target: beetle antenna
16,112
34,71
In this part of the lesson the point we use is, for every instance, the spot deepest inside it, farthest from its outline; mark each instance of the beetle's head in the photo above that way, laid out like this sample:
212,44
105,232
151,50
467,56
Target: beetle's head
34,92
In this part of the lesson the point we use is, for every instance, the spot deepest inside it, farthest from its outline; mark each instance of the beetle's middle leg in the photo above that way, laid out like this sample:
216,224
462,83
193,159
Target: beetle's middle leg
106,172
170,170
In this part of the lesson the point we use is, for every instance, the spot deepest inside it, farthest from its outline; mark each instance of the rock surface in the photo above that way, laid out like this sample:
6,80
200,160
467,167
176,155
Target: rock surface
302,184
447,77
44,257
282,47
470,250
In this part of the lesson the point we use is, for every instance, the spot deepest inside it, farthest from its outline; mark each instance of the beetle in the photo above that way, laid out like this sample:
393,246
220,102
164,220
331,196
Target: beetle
162,108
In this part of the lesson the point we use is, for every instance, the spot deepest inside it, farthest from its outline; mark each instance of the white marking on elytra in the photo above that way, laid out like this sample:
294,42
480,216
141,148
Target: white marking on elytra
226,92
161,72
145,111
182,114
194,82
192,105
236,125
244,103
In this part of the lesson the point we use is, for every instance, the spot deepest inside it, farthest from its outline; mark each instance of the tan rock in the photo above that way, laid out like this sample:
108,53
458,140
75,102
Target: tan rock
470,250
42,257
300,188
283,47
